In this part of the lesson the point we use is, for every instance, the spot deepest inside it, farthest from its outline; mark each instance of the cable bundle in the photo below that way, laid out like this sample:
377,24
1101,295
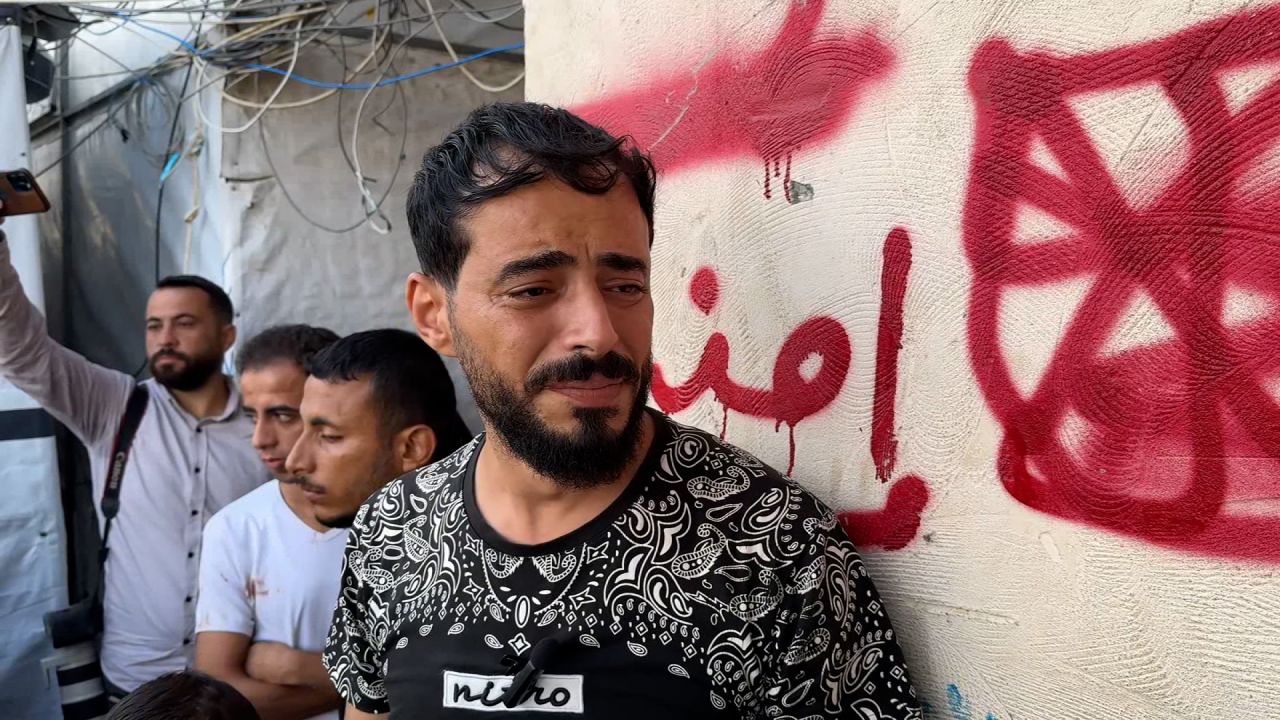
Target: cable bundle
229,44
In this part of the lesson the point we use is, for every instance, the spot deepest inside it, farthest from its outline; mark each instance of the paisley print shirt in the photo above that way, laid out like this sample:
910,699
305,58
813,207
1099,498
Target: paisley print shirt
712,587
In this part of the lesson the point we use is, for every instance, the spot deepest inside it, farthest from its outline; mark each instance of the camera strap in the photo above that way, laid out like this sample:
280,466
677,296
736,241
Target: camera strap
133,412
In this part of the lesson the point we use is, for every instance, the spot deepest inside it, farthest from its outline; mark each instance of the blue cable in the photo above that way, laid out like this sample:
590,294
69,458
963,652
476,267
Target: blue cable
169,166
325,85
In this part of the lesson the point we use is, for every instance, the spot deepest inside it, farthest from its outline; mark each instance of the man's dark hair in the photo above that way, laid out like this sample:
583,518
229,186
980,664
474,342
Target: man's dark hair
500,148
186,695
289,343
409,382
218,297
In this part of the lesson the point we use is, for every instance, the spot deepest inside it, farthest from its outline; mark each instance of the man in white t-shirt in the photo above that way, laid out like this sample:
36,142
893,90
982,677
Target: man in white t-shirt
269,571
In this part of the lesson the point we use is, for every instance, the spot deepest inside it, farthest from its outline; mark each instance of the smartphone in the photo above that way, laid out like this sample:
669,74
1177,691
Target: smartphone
21,194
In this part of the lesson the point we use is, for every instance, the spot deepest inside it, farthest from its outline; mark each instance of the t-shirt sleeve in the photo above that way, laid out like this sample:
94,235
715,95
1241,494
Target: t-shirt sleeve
839,655
223,604
354,654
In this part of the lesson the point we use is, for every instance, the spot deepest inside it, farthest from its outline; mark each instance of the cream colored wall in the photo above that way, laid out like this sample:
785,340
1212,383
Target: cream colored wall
1104,326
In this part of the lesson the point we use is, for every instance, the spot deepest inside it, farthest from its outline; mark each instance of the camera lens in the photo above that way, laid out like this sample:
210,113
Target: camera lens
20,182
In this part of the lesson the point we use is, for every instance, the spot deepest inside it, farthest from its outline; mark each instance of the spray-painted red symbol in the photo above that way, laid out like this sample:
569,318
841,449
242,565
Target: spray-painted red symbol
800,91
1174,442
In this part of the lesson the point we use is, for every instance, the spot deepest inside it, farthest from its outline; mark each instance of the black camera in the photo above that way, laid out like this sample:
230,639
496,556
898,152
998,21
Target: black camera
74,632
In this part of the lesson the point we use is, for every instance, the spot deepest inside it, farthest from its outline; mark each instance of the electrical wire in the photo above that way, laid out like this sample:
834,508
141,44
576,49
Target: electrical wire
260,44
474,14
173,129
110,116
288,196
371,206
435,19
240,20
348,75
133,105
76,146
297,47
457,62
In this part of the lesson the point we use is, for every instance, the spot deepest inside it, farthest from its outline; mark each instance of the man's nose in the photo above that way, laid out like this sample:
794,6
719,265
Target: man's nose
264,435
301,460
168,338
589,328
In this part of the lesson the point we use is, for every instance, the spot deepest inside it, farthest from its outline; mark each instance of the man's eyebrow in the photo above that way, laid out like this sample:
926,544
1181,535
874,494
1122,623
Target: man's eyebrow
546,260
622,263
182,316
321,422
282,408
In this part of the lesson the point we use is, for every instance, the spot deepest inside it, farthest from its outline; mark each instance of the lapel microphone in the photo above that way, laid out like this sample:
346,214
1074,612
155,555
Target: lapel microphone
528,668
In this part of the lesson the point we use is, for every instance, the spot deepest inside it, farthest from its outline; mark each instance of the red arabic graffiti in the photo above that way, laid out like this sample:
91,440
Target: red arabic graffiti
792,398
896,525
1175,442
800,90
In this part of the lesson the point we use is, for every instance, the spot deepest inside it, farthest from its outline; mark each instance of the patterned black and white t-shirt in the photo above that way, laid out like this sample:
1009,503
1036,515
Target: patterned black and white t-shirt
712,587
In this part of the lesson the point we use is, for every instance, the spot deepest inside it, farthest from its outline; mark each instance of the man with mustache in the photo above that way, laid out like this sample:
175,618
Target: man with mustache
586,555
269,570
190,457
376,404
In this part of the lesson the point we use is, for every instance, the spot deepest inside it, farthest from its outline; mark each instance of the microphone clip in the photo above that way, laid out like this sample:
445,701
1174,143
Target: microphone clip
527,669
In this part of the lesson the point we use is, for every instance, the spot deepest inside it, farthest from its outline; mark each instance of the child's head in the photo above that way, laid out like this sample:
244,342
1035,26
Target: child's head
186,695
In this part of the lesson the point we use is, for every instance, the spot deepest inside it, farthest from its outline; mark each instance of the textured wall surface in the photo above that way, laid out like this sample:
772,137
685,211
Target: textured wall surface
999,281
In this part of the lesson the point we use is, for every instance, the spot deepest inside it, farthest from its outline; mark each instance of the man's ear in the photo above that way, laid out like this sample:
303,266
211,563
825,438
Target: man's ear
414,447
428,303
228,337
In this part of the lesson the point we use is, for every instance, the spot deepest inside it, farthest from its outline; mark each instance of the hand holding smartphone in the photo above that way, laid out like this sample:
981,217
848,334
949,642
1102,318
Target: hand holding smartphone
20,194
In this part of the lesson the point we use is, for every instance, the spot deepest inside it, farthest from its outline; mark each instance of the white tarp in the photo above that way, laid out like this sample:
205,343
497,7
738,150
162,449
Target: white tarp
31,528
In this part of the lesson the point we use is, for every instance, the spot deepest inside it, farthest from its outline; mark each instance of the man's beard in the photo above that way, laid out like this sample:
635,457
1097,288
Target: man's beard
191,375
589,456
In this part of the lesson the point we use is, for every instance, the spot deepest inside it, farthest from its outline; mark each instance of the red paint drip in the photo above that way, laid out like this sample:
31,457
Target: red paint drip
893,289
724,422
786,181
791,449
894,526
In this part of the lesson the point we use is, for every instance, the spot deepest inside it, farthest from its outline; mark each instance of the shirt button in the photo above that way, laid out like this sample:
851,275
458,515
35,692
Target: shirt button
190,555
186,641
197,471
195,513
199,430
188,598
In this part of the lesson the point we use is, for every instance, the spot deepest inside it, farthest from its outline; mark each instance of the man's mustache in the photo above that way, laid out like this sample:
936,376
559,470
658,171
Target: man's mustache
170,353
307,484
578,368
